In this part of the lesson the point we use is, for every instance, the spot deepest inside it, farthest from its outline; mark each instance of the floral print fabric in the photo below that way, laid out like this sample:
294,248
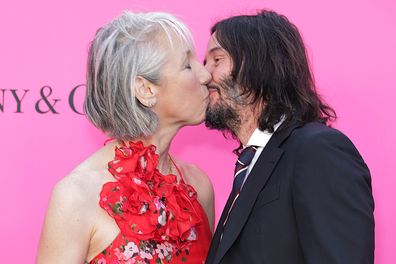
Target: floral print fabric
160,220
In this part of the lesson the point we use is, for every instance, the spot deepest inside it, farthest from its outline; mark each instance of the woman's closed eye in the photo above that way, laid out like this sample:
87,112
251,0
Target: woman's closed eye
188,66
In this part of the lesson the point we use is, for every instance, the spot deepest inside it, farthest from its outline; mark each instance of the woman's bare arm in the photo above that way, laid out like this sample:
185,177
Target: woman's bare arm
66,232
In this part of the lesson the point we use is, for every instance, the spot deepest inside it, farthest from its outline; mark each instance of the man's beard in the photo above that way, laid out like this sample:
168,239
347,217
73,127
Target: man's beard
222,115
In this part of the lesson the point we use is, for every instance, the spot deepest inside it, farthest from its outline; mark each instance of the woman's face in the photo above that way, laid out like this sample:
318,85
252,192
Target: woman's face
182,93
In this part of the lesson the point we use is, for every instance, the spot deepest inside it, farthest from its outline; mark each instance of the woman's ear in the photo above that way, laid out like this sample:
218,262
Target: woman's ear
145,91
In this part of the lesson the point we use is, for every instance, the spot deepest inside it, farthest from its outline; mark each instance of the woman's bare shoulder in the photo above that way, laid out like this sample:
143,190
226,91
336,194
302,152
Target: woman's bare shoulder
197,178
72,215
83,184
192,174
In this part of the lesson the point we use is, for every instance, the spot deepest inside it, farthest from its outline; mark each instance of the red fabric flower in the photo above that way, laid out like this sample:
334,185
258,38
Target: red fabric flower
146,204
135,159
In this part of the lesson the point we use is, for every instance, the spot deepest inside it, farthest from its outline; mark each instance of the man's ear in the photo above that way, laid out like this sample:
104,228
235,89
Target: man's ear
145,91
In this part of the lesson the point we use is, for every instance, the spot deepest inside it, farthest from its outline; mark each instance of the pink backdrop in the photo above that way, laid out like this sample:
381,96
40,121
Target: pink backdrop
44,43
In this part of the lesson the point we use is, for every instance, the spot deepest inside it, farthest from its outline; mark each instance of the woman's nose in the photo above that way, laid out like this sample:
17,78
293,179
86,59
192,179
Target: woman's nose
206,77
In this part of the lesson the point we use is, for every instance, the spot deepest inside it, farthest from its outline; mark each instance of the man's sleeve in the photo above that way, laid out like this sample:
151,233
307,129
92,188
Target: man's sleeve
333,201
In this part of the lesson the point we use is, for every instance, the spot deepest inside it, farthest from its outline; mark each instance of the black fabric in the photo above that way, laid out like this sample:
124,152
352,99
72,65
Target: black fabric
307,200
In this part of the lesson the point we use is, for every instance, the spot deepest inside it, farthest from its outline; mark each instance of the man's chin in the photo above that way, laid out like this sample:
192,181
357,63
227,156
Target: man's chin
222,118
210,125
215,125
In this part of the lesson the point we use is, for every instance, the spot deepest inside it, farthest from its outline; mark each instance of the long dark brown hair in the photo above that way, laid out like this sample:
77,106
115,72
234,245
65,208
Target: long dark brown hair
270,64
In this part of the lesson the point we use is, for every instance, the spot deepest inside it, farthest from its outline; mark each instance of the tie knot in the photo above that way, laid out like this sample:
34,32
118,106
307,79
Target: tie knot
246,155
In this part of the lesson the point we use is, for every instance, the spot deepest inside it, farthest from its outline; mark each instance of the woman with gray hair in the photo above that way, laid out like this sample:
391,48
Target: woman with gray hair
131,201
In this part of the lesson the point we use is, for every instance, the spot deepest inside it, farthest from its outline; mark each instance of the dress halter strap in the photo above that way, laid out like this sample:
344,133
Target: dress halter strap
108,140
177,168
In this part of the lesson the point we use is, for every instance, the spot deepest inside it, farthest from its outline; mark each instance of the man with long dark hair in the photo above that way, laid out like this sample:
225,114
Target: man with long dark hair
301,191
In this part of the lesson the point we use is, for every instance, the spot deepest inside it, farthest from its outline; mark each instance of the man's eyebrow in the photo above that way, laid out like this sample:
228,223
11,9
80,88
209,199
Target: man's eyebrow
211,51
215,49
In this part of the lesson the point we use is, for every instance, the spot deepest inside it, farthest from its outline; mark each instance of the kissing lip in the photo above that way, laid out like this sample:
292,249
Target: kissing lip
213,88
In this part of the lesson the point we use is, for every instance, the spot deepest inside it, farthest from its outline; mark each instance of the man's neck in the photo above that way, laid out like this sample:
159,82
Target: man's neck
248,126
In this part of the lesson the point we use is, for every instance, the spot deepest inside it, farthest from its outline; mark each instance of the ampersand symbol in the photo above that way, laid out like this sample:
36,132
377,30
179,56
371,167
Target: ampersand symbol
44,97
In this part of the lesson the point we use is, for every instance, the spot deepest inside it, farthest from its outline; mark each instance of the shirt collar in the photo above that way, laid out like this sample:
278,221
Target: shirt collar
260,138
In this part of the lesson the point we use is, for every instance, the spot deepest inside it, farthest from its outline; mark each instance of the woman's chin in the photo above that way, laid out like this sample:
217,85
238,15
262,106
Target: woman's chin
197,121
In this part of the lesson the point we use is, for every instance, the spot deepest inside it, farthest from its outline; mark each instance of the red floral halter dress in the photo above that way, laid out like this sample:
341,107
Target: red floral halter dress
160,220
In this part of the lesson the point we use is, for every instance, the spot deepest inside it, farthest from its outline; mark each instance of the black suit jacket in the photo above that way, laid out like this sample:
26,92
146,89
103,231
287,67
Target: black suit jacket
307,200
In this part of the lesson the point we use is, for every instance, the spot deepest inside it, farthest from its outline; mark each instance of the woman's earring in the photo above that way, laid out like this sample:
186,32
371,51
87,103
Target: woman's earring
148,103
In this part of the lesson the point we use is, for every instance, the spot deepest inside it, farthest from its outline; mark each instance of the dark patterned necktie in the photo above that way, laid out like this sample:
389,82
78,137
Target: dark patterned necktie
241,167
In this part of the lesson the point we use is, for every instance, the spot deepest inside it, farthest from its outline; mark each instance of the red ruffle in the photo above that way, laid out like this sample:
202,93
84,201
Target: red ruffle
146,204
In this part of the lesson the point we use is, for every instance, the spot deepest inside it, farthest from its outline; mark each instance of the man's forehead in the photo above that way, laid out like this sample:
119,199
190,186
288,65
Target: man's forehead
213,44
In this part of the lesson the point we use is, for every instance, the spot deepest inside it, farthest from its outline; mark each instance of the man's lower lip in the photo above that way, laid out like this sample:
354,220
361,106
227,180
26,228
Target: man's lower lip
212,92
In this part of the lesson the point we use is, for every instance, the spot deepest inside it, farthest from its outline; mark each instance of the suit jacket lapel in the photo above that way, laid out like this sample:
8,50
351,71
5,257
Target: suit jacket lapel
219,230
257,178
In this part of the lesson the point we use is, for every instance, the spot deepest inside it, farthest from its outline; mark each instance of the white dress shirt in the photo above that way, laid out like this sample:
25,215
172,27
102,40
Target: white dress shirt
260,139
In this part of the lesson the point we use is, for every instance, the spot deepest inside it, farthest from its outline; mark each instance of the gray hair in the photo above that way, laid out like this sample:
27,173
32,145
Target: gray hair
131,45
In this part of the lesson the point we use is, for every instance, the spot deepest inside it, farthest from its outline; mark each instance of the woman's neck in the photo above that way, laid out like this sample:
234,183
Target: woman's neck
162,139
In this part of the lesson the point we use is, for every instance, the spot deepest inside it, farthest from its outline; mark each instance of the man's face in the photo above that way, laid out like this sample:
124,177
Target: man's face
224,93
